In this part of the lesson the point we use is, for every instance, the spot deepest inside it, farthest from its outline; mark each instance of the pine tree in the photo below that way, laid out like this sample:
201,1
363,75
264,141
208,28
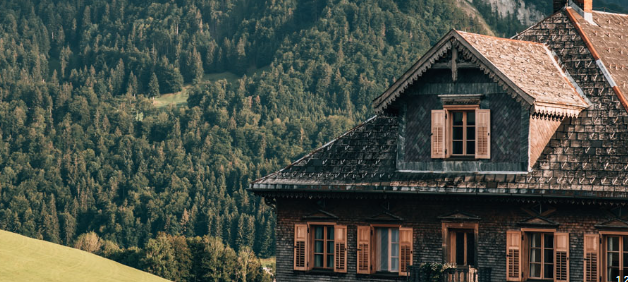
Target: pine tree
197,68
153,86
267,240
131,85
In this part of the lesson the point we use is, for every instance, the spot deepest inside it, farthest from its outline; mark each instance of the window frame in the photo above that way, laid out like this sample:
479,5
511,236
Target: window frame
372,252
542,248
449,243
603,252
465,128
450,109
525,252
339,238
390,243
442,132
453,235
325,241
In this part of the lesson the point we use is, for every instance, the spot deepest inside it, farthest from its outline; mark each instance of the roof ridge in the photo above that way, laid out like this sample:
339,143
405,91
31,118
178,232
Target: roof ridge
502,38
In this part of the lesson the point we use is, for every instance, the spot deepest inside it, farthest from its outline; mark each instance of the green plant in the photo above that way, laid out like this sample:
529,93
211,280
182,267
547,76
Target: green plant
433,271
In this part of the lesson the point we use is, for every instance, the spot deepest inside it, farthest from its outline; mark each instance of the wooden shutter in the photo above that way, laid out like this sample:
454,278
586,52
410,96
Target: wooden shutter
340,249
513,256
405,250
591,253
364,249
438,133
483,134
561,257
300,247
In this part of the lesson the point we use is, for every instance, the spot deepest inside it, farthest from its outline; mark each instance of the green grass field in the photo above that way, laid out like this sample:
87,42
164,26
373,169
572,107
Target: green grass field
180,98
27,259
177,99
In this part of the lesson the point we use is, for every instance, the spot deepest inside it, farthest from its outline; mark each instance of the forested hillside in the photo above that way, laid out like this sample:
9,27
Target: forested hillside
507,17
83,148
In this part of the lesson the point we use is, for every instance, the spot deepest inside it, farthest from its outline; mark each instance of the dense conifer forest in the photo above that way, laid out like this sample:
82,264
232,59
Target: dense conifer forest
88,160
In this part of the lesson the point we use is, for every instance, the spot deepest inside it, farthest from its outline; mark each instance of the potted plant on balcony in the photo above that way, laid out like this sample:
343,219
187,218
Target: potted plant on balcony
433,271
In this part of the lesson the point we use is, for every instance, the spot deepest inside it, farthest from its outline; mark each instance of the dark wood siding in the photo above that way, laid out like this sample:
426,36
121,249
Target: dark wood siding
421,213
509,125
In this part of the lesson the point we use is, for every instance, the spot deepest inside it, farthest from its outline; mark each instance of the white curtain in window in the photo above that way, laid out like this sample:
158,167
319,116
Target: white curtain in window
387,249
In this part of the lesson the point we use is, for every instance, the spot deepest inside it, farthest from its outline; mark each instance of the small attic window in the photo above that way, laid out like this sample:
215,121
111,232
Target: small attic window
461,131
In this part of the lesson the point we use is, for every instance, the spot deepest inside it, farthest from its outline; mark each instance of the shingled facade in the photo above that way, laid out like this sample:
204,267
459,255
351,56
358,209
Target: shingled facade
505,158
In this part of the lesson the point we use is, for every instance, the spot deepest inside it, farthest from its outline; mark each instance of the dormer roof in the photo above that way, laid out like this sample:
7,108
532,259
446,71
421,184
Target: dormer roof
527,70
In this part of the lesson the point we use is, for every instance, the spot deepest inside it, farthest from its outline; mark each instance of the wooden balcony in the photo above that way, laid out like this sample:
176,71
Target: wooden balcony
461,274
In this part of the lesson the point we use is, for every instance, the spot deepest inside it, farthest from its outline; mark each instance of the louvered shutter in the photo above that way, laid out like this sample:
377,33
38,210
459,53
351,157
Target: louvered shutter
405,250
364,249
300,247
561,257
439,133
483,134
513,256
340,249
591,253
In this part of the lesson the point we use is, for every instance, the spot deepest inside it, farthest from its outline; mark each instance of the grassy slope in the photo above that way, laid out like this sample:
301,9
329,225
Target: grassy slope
27,259
181,98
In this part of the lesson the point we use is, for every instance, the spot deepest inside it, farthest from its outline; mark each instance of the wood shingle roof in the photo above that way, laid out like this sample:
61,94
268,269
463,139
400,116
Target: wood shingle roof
608,41
586,158
531,66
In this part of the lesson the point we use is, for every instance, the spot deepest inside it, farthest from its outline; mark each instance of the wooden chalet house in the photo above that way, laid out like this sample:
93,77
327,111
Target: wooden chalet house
507,158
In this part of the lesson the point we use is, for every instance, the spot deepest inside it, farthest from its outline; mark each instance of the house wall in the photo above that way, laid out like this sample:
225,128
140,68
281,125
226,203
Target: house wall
421,213
509,123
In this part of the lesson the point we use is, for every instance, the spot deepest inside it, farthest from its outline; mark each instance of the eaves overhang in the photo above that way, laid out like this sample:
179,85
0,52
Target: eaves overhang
388,192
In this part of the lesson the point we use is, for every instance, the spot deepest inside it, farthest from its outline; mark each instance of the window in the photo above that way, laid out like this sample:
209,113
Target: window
320,246
616,257
605,256
534,255
462,245
461,131
386,249
323,246
541,255
459,242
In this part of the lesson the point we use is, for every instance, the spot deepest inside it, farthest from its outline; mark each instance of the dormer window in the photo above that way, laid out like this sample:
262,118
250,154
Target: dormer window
461,131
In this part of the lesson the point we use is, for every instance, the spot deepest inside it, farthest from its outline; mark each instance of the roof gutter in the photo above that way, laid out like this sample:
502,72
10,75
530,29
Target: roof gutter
596,57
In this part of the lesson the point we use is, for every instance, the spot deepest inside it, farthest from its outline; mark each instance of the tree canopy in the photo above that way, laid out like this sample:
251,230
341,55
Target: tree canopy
86,156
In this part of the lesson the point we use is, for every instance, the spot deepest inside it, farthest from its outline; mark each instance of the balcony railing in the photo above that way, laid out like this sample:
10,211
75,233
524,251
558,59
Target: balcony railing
459,274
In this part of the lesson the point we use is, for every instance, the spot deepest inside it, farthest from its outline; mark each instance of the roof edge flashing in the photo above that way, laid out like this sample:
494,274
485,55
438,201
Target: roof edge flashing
606,73
588,16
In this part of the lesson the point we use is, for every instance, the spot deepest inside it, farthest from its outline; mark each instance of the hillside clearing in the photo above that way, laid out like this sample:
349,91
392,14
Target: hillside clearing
177,99
27,259
180,98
